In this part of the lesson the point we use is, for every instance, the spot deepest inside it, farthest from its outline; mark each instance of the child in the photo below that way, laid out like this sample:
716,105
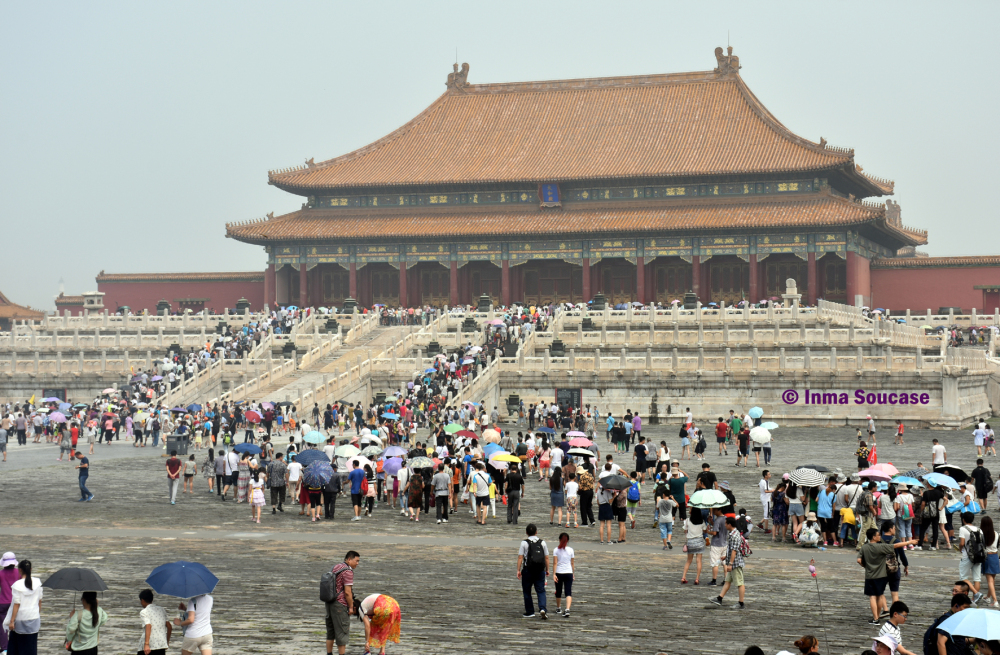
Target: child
744,523
699,449
493,497
257,493
897,617
859,434
633,499
572,497
665,509
848,523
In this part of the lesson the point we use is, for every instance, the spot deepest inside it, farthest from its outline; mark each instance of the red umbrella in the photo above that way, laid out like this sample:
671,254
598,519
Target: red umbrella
252,417
467,434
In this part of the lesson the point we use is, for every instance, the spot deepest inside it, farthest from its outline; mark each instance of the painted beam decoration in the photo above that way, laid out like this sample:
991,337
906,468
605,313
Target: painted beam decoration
725,245
489,251
371,254
769,244
668,247
835,242
526,251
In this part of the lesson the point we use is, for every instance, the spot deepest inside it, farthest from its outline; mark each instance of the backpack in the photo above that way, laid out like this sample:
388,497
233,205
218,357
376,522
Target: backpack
906,511
742,526
328,584
536,554
744,548
633,491
976,547
364,485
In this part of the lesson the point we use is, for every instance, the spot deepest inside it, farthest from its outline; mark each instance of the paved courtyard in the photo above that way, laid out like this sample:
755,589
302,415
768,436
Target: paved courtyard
455,583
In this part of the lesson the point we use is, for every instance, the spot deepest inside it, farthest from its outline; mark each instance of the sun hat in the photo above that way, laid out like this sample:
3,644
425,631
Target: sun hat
811,516
888,640
724,485
7,560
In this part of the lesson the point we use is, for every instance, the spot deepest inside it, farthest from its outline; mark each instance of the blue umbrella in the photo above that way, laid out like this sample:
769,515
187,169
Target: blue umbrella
394,451
491,448
309,455
430,370
546,430
194,407
390,415
755,412
250,448
770,425
940,480
182,579
973,622
178,410
314,436
903,479
64,406
317,474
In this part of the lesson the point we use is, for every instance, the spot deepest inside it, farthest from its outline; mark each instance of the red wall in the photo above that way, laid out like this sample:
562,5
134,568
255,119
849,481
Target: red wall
920,289
145,295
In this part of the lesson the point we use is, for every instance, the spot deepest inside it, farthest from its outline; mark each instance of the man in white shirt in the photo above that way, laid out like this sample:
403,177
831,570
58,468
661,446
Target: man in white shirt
294,478
156,628
556,457
231,471
330,450
970,572
938,454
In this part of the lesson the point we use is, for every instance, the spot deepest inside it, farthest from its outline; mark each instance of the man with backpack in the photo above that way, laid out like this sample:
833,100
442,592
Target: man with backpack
973,549
983,482
737,549
532,564
336,589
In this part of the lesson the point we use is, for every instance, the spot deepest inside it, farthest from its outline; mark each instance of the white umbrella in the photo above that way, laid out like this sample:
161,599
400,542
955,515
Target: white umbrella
807,478
760,435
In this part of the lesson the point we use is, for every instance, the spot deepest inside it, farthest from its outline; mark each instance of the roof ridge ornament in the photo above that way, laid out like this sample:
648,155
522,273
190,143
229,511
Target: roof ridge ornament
457,78
728,64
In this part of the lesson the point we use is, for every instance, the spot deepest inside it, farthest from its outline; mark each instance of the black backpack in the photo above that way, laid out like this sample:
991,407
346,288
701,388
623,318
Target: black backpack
976,547
536,554
328,583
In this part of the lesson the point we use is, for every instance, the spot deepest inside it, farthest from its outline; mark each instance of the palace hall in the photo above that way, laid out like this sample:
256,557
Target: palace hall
640,188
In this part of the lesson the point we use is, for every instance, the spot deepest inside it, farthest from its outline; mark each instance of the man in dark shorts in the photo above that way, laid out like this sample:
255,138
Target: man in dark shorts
639,455
983,482
743,438
721,430
676,484
339,611
355,477
872,557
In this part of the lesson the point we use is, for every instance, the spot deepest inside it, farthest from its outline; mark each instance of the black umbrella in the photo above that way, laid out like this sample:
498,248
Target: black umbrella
916,473
948,469
815,467
75,580
615,482
284,403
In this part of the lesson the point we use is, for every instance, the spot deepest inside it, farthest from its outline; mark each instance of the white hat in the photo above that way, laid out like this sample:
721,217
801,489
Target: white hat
7,560
888,640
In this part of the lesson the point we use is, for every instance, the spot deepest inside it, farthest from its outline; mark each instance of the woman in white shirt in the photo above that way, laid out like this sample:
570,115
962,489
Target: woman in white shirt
695,526
24,617
563,569
991,567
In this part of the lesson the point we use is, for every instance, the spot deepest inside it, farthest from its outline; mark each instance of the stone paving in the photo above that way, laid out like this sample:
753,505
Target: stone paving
455,582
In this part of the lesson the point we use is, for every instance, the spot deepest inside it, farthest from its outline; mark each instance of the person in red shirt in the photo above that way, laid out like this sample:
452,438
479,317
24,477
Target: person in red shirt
173,476
899,432
721,430
74,433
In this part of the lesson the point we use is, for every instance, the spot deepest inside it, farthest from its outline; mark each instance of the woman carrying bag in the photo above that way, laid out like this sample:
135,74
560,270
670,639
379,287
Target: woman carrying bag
83,629
23,620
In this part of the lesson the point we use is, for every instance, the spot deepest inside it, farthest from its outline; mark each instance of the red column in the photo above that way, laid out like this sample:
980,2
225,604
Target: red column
352,281
696,275
303,285
270,286
453,284
754,284
852,277
505,282
811,283
586,280
640,279
402,285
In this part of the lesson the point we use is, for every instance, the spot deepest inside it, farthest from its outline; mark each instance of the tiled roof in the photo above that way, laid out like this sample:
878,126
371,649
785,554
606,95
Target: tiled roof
63,299
240,276
714,213
13,311
652,126
936,262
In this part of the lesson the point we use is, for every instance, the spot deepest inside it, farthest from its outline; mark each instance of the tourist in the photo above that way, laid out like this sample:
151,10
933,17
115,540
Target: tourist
905,508
898,612
721,434
173,466
971,545
532,565
873,558
871,429
544,460
939,642
84,467
685,441
3,449
65,444
332,489
8,576
897,565
23,619
196,625
243,479
156,628
807,645
381,617
557,499
983,482
257,479
220,472
695,545
442,493
480,487
190,469
862,454
83,627
765,498
370,490
563,573
677,483
415,490
232,466
572,500
735,544
899,434
868,513
743,446
663,457
939,455
586,492
665,509
277,479
356,477
515,491
717,544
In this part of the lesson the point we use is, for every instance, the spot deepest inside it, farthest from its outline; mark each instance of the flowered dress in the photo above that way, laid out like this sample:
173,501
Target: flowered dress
385,621
243,482
780,509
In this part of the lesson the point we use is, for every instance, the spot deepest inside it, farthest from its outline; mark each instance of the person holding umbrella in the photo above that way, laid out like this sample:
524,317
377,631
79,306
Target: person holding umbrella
83,628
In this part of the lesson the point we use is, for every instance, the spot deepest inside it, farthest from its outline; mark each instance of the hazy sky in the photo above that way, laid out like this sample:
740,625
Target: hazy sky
131,132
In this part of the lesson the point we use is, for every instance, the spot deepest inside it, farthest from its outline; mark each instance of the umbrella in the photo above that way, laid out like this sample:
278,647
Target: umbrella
421,463
614,482
57,417
505,457
755,412
252,449
575,433
874,473
109,391
916,473
361,461
760,435
252,416
583,452
973,622
64,406
887,468
310,455
179,410
546,430
42,410
815,467
940,480
267,405
50,399
76,580
347,450
80,406
391,416
496,321
452,428
430,370
392,465
491,436
948,469
902,479
318,473
141,416
580,441
371,451
314,436
470,403
156,378
807,478
708,498
499,463
468,434
491,448
182,579
285,403
468,360
394,451
194,407
770,425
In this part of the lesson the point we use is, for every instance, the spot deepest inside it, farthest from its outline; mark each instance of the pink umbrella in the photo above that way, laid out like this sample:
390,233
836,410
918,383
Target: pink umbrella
583,442
362,462
875,473
267,405
575,433
57,417
887,468
252,417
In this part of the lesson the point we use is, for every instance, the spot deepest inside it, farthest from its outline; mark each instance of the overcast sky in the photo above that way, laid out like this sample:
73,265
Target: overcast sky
131,132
